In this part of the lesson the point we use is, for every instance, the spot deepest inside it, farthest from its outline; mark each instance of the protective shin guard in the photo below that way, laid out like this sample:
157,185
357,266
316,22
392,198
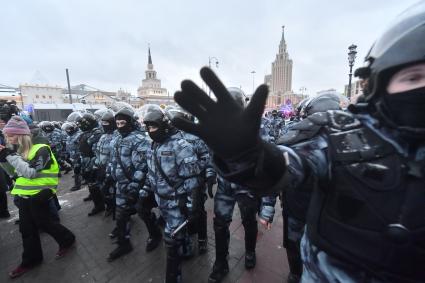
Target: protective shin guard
251,230
173,269
222,237
294,258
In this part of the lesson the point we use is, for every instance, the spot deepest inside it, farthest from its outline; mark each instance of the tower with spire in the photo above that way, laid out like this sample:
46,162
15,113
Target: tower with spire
151,90
281,77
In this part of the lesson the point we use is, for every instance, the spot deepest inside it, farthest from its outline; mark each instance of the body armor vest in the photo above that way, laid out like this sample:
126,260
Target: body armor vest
296,200
372,211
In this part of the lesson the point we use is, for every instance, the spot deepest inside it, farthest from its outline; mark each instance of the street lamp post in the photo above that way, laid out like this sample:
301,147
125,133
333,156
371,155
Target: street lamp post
352,52
253,81
213,60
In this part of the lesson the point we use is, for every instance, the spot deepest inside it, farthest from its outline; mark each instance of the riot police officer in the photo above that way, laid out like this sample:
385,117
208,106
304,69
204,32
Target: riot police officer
363,223
173,171
87,146
128,171
295,202
104,157
72,149
208,178
224,202
55,138
276,125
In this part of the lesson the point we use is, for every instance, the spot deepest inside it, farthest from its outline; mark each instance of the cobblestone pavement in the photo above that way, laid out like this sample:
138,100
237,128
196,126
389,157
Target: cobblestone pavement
87,262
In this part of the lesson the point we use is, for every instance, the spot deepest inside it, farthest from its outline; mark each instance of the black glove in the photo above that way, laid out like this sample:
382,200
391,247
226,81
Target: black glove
5,152
226,127
181,202
210,183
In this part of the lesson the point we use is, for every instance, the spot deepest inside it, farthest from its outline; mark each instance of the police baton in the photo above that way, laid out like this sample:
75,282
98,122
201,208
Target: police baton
174,233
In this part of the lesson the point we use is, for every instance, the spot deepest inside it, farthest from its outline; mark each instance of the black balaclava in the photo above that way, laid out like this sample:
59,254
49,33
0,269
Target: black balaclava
71,131
129,126
407,109
159,135
111,127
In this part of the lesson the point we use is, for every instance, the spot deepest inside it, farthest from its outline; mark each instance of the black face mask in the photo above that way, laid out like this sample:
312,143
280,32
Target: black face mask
108,128
125,130
71,132
407,108
159,135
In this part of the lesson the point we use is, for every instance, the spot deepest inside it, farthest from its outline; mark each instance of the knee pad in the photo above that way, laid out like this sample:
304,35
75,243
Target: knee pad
220,223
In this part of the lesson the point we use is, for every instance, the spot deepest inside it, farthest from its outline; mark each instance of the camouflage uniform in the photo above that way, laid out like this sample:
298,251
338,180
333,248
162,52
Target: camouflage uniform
55,139
89,171
276,125
180,165
103,161
73,150
265,129
224,202
128,170
199,195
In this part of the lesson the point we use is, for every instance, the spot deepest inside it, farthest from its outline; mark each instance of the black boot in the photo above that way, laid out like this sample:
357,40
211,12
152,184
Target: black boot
220,270
250,260
202,246
173,269
122,249
96,210
251,230
202,233
222,237
114,233
292,278
155,235
294,260
77,183
97,197
88,198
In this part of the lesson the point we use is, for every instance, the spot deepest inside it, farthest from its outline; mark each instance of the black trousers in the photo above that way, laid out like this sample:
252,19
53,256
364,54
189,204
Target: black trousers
34,214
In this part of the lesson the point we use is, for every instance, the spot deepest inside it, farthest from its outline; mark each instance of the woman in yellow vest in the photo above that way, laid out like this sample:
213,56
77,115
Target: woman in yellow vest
35,170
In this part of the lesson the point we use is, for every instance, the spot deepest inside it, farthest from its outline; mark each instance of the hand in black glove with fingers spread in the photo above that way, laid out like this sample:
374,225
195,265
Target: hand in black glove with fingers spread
225,126
232,132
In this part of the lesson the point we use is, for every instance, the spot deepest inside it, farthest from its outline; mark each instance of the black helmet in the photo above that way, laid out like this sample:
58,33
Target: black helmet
107,116
156,116
86,122
238,95
402,44
127,112
57,124
69,127
176,112
300,106
46,126
74,116
99,113
321,103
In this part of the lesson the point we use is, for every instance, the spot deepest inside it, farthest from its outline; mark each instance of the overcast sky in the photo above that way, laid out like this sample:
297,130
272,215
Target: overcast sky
104,43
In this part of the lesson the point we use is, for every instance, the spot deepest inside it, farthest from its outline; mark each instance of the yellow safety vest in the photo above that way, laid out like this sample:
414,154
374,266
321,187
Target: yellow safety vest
45,179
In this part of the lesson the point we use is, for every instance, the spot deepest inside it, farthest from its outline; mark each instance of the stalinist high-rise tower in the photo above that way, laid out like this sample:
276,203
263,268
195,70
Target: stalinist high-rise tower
281,79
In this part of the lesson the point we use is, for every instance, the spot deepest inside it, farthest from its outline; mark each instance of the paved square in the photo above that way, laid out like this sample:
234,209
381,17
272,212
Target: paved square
87,262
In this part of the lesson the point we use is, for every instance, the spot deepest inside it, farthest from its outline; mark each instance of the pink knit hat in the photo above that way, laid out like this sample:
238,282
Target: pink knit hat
16,126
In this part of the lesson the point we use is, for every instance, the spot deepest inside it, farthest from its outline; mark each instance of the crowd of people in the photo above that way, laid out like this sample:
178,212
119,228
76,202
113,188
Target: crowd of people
351,182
